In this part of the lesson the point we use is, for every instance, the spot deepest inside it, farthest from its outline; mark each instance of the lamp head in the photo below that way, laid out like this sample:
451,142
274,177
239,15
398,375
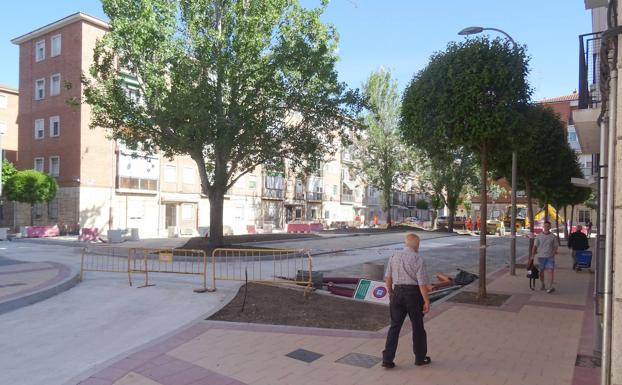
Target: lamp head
471,31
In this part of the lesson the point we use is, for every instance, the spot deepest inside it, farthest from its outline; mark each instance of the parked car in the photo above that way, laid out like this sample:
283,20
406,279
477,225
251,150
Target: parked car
410,221
443,221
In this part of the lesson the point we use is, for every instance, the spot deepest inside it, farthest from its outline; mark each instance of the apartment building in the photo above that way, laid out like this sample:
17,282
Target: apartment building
564,107
597,121
9,98
102,183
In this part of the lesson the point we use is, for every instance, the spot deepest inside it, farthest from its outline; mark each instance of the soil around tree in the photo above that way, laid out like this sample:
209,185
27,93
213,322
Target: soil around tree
276,305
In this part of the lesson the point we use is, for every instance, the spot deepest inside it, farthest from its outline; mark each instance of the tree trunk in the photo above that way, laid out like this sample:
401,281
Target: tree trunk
482,233
452,216
559,242
571,217
434,214
32,214
566,232
530,216
388,204
216,200
546,213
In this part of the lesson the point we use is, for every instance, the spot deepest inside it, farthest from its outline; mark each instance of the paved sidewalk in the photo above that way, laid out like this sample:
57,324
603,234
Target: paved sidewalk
533,338
24,283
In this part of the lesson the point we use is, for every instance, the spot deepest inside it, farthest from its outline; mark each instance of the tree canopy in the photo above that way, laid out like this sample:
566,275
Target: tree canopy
383,158
468,96
232,83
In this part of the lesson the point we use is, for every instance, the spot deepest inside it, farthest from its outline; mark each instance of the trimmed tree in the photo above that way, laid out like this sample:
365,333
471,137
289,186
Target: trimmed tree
30,186
382,157
233,84
468,95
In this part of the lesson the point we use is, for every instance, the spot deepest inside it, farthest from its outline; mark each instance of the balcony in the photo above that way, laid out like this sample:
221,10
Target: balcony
272,193
348,198
299,195
586,117
314,196
139,184
589,70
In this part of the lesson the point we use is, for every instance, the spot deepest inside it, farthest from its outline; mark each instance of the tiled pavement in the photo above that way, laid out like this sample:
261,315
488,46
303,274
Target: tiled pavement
533,338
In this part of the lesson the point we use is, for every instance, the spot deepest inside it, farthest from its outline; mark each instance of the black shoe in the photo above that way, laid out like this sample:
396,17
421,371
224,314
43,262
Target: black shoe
388,365
425,361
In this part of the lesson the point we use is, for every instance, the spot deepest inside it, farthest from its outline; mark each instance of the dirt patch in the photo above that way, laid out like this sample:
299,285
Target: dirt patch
373,230
266,304
236,241
470,297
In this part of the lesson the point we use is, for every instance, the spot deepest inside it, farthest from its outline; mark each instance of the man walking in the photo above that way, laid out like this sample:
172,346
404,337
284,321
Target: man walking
407,281
577,241
545,249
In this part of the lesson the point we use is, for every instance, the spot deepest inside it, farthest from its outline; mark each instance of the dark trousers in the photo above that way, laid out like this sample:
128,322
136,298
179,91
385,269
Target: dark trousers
406,300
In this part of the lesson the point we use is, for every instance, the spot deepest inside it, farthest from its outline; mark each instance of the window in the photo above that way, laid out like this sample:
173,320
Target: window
55,85
39,89
39,128
53,209
170,173
54,165
572,136
40,50
37,210
186,212
55,45
252,181
188,175
584,216
3,101
54,126
334,189
39,164
327,214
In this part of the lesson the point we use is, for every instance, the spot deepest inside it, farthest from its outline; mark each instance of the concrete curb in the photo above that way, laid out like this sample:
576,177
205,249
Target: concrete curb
70,279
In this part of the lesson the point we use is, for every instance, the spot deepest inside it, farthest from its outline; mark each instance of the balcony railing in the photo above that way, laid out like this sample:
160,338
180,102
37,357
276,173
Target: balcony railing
273,193
129,183
589,70
299,195
314,196
347,197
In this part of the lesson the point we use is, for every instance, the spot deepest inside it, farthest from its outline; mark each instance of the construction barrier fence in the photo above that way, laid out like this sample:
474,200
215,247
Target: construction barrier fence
280,266
293,266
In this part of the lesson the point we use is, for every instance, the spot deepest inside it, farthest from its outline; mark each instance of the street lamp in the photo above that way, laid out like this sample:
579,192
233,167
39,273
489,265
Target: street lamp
472,31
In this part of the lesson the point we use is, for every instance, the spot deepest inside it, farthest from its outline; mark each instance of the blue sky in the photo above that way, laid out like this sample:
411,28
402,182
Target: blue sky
397,34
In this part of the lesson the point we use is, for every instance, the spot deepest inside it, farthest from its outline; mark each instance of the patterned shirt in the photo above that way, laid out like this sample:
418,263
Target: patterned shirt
407,267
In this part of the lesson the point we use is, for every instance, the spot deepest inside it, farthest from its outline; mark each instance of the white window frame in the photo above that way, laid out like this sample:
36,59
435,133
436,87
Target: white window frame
54,88
52,171
188,175
40,129
54,119
40,43
4,101
170,173
55,51
39,159
42,88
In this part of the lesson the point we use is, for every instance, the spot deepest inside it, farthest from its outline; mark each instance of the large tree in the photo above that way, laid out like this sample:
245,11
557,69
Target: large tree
468,95
30,186
383,159
231,83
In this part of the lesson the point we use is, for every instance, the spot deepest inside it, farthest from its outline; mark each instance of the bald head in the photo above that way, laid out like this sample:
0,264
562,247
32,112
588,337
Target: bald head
579,227
412,241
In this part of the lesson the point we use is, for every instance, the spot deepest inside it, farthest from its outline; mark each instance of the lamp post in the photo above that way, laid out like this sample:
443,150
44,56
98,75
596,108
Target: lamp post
472,31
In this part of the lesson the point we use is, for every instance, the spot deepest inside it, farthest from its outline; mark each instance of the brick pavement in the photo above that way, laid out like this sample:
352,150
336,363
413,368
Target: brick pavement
533,338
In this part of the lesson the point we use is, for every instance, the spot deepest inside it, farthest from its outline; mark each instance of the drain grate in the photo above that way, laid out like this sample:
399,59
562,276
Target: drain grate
304,355
585,361
360,360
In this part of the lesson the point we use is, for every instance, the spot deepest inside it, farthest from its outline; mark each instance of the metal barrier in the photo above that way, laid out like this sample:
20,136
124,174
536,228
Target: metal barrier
110,260
175,261
264,265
